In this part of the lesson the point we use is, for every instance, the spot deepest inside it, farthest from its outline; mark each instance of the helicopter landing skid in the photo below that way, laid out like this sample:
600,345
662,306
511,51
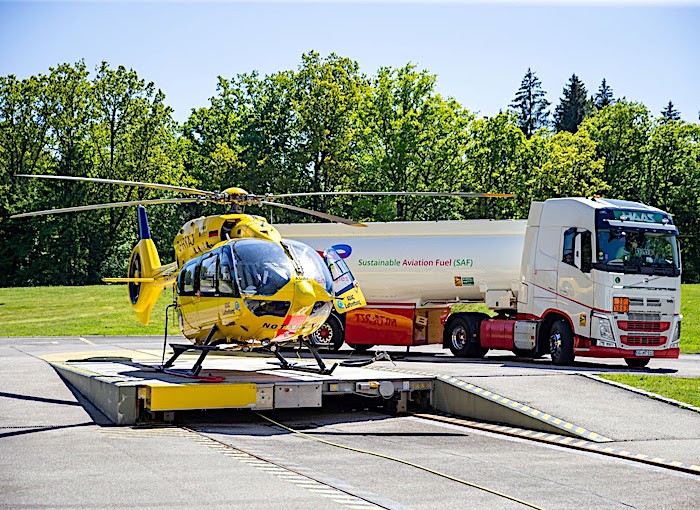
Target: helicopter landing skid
178,349
286,365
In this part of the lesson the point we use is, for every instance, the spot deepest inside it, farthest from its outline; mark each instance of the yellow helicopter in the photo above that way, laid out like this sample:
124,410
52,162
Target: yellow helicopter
236,280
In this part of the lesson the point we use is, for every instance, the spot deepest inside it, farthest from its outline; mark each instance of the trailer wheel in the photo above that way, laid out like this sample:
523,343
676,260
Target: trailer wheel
461,339
637,362
361,347
330,334
561,343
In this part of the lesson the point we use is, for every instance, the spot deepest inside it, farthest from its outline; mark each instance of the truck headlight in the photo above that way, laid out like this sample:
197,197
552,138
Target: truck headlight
676,338
605,328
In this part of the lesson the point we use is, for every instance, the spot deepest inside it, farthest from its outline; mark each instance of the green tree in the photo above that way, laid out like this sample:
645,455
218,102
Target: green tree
670,113
113,126
413,140
604,96
572,167
573,107
621,132
325,96
498,161
530,104
672,183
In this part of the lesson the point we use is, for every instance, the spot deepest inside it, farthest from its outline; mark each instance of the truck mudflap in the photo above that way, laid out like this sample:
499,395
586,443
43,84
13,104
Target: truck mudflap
614,352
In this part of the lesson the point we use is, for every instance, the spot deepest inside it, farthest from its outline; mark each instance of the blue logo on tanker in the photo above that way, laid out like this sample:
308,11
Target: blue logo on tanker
344,250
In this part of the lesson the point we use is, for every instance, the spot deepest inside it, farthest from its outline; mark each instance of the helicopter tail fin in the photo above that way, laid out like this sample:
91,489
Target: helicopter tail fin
146,277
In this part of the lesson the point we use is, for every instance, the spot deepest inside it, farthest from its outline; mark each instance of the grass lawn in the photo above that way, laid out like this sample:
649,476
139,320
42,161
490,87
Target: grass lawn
77,311
690,308
678,388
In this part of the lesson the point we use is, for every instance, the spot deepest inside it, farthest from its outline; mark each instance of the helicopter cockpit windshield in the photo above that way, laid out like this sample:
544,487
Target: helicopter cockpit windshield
262,267
310,263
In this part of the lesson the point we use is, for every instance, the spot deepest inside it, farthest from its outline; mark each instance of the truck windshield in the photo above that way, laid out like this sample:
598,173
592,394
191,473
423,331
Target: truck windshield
262,267
637,251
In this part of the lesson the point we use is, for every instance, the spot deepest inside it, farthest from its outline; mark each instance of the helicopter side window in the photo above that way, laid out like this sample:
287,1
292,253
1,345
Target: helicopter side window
207,275
227,287
186,279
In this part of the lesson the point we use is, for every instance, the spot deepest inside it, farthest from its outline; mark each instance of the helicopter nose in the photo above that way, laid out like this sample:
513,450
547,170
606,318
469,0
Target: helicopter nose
304,297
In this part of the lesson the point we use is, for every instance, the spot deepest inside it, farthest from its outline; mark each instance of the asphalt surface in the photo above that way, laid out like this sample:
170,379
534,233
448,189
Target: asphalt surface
56,451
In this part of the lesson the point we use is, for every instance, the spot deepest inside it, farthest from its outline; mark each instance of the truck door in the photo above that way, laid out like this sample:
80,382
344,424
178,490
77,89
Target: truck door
348,295
574,284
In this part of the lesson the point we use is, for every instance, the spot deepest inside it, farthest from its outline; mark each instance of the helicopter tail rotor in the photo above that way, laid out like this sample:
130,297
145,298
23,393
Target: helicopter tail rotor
146,277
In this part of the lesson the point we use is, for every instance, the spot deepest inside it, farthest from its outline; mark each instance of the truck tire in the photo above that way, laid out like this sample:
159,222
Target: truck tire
459,337
330,334
361,347
561,343
637,362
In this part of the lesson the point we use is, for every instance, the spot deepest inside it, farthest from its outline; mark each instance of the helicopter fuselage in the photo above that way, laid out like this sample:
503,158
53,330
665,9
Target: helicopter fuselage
255,291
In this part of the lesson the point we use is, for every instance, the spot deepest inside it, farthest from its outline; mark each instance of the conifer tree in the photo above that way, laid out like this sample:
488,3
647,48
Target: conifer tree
530,105
573,107
670,113
604,97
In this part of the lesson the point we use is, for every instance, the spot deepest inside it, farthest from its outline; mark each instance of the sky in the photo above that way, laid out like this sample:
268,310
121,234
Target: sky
648,51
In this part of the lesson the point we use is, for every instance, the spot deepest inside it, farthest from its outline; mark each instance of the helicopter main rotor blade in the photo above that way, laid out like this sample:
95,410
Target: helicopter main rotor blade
108,206
150,185
395,193
326,216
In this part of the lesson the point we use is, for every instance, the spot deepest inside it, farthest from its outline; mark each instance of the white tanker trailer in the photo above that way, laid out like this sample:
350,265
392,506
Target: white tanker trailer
580,277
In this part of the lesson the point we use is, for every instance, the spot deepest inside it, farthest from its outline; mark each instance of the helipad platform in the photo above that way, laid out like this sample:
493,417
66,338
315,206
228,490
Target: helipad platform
127,388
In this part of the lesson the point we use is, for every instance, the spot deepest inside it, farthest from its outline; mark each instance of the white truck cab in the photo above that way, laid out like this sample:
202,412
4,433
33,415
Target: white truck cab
611,269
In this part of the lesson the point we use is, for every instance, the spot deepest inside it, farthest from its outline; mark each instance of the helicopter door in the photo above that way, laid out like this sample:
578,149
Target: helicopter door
207,305
348,295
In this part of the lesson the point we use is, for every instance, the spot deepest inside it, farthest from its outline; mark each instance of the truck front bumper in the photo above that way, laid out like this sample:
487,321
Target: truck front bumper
615,352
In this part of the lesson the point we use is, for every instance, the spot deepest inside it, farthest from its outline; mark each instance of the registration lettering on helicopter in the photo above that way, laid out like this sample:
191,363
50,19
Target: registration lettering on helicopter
186,242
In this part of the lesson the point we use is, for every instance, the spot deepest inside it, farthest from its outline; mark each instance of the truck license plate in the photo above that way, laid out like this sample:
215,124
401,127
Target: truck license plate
646,353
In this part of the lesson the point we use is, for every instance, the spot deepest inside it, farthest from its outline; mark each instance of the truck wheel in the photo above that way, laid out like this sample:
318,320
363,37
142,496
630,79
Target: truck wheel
460,339
361,347
637,362
561,343
330,334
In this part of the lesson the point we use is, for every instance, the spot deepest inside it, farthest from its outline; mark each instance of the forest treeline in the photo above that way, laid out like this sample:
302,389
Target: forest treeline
324,126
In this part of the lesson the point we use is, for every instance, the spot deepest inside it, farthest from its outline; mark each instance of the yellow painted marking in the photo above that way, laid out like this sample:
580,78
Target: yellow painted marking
557,421
546,416
593,435
200,396
580,430
461,383
568,426
505,400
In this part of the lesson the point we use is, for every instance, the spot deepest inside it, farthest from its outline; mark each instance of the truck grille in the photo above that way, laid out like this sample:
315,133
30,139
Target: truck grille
644,326
644,317
643,340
